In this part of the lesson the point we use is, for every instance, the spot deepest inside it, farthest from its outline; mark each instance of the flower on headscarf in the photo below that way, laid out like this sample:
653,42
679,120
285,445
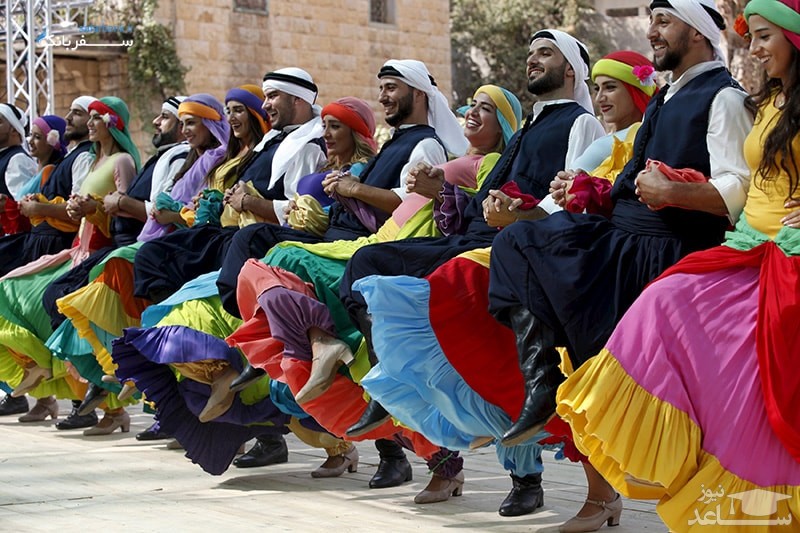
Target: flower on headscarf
645,74
53,138
110,120
740,27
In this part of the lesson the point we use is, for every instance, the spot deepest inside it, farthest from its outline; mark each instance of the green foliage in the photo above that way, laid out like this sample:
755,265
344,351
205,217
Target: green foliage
153,62
490,40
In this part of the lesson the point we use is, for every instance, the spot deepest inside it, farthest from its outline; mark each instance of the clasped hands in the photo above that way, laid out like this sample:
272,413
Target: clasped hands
79,206
499,209
340,182
426,180
234,196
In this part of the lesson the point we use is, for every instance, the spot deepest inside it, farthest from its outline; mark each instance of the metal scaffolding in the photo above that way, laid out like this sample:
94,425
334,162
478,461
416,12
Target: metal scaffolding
29,61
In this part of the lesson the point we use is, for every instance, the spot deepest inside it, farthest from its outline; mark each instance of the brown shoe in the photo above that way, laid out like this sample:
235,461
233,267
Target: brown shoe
32,377
335,465
110,423
221,398
440,489
47,406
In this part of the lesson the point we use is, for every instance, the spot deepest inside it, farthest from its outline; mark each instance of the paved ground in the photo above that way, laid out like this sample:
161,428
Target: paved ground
61,481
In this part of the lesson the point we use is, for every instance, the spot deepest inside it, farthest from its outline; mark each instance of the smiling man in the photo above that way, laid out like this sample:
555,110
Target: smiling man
559,129
424,130
583,272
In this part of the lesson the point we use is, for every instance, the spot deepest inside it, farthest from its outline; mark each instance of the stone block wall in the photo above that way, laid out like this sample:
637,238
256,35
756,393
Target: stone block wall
334,40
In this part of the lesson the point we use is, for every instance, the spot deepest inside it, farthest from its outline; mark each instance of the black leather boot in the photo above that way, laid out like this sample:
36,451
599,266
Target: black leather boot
76,421
13,406
249,375
394,469
525,497
373,416
538,362
364,325
268,450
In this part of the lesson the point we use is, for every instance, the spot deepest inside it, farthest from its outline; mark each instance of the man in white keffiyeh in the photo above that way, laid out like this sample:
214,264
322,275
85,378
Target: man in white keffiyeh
415,74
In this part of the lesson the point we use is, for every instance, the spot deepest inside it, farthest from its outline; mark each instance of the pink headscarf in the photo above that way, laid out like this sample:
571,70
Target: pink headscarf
356,114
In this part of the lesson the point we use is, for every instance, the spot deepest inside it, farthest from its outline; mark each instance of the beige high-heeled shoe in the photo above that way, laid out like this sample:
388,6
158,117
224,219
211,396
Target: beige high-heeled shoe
128,390
47,406
221,398
349,463
324,367
447,488
480,442
109,423
32,377
609,513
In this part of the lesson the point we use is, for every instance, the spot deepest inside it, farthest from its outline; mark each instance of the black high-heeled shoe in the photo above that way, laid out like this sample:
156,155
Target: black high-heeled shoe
373,416
249,375
95,395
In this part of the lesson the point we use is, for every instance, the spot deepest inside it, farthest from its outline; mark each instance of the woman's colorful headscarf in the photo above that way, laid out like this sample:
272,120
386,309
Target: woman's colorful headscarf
783,13
634,70
509,109
212,114
115,115
52,127
253,97
356,114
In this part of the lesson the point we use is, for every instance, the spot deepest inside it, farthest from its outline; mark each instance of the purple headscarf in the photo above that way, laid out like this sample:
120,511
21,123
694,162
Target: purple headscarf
192,182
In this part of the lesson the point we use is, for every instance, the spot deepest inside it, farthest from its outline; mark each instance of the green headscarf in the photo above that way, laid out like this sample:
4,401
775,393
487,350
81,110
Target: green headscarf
116,116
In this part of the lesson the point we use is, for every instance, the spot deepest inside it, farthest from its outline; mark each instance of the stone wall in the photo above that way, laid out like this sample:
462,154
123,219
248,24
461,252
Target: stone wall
333,40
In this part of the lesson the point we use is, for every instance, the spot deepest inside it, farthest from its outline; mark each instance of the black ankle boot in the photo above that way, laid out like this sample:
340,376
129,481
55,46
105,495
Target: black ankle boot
538,362
525,497
268,450
13,406
373,416
76,421
392,472
249,375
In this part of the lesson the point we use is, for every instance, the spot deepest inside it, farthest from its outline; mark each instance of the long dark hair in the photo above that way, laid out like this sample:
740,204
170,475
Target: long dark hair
778,148
55,157
235,145
192,157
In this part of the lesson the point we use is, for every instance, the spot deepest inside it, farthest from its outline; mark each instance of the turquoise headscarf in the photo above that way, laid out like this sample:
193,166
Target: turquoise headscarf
509,109
116,116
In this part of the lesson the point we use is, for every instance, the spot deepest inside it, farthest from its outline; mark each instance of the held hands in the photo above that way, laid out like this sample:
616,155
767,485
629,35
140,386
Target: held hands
234,197
792,220
342,183
111,203
560,186
80,206
165,217
28,206
652,187
291,206
426,181
499,209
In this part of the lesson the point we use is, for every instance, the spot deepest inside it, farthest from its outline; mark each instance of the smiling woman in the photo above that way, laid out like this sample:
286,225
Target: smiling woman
717,411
